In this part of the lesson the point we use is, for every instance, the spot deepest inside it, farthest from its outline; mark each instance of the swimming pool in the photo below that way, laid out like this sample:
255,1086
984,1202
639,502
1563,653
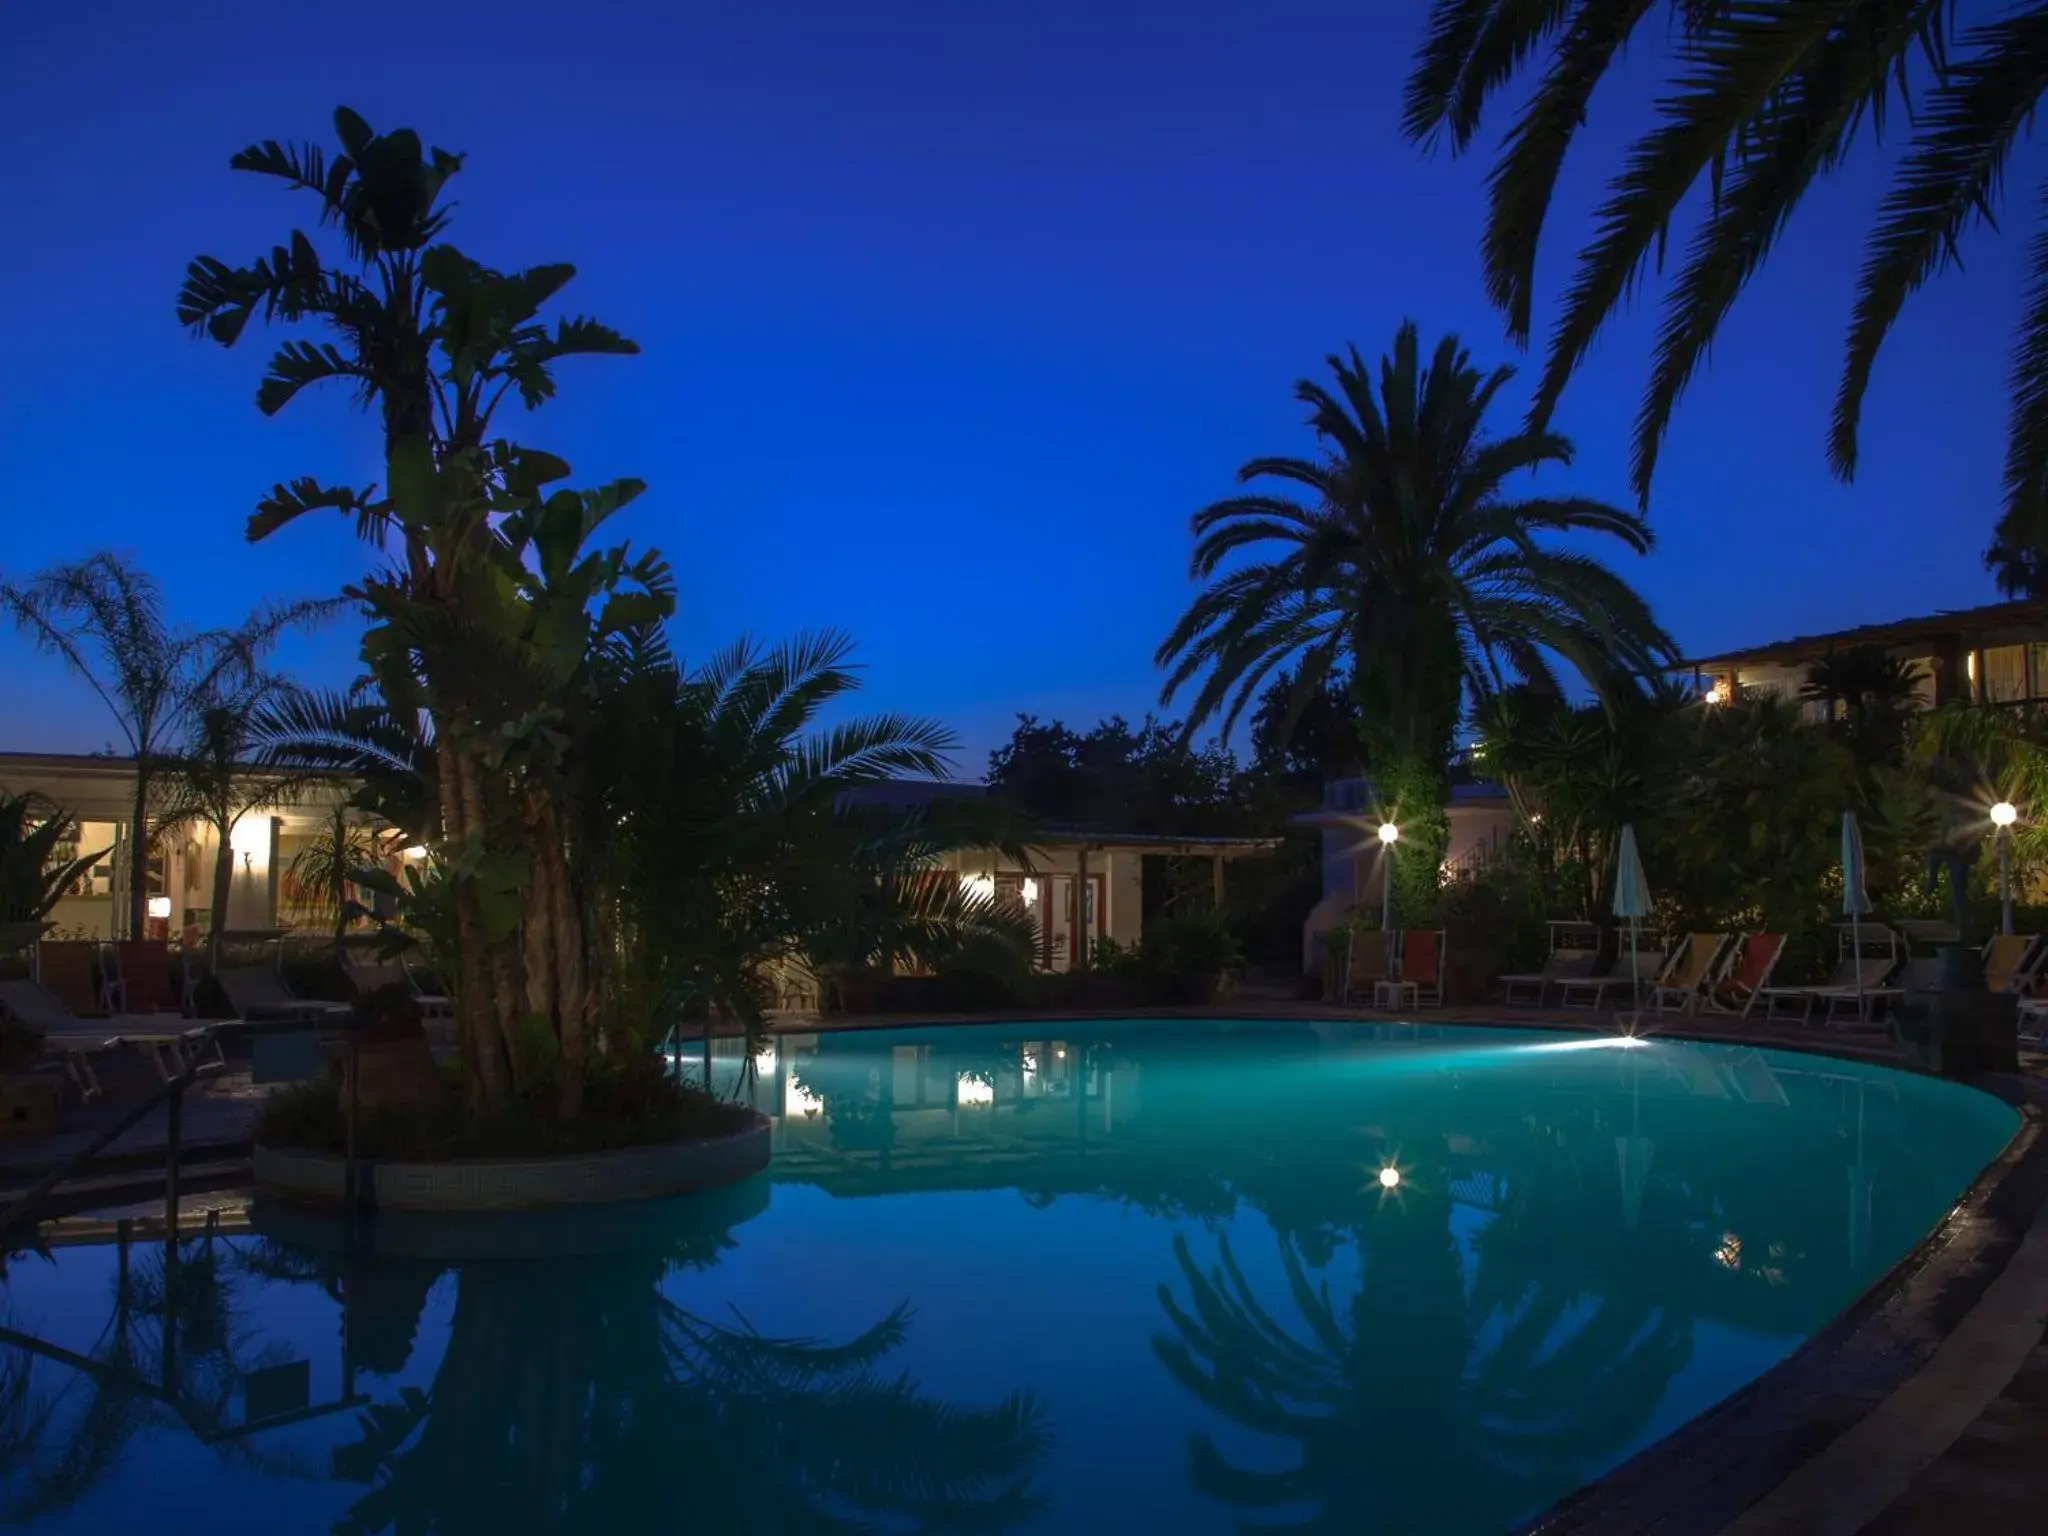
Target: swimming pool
1101,1277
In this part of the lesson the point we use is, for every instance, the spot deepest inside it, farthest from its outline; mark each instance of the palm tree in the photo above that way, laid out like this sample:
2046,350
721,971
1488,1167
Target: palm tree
213,781
1409,566
1878,694
1764,98
1576,774
105,620
568,1384
714,798
881,896
494,602
334,860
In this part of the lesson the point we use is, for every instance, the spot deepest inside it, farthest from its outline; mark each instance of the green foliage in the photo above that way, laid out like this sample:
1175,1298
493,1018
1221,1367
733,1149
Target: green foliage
1738,807
1147,779
627,1109
715,813
1412,794
105,619
1761,100
32,878
1193,943
1871,696
1406,566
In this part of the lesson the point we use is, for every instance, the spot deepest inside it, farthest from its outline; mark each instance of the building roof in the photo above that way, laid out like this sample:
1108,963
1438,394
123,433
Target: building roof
1947,624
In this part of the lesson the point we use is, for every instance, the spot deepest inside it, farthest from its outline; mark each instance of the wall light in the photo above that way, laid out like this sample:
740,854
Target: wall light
982,886
972,1090
1030,892
250,837
160,906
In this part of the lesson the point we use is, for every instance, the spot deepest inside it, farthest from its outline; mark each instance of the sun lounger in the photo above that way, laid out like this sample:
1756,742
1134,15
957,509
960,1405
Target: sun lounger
68,969
1422,965
166,1039
1366,962
257,992
1644,968
1748,975
1568,961
367,976
2011,961
1920,974
139,976
1858,979
1695,967
2034,1019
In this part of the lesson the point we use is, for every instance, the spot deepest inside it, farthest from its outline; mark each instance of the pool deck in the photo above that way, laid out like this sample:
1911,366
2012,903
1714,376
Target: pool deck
1923,1411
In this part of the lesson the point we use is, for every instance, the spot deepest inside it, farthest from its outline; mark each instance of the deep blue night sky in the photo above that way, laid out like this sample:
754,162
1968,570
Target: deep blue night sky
951,315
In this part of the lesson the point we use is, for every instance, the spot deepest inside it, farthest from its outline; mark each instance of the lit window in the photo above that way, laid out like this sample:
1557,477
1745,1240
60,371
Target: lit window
2005,674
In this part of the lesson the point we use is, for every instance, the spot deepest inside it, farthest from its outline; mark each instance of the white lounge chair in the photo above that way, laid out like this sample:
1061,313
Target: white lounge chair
1643,968
167,1040
257,993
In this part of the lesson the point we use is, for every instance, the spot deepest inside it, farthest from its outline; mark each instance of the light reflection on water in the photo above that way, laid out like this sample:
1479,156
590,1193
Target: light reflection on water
1036,1279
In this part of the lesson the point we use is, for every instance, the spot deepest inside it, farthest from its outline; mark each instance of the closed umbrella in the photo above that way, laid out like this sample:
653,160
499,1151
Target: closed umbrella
1855,899
1631,899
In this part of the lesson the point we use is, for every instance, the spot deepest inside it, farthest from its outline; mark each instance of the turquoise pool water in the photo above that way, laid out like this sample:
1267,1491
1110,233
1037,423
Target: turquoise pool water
1159,1277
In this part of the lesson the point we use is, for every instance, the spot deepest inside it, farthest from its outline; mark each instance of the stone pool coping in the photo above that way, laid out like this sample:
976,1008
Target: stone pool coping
494,1184
1759,1459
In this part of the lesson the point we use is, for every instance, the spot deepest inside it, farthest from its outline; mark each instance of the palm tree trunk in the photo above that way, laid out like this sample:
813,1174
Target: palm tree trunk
489,1082
223,887
538,949
573,995
138,852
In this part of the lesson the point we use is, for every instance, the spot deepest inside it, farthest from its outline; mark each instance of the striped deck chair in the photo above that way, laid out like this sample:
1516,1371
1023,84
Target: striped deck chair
1695,968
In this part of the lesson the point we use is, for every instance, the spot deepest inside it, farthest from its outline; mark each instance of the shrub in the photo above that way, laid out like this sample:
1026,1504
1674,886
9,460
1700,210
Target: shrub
622,1109
1195,943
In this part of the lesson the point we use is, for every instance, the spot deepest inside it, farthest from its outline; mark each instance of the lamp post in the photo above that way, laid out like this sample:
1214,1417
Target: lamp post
2003,815
1389,835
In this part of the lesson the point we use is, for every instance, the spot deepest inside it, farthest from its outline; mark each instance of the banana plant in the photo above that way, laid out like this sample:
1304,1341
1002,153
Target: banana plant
32,878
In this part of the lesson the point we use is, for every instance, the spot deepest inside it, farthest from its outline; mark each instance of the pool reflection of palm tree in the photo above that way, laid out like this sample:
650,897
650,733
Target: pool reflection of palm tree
173,1353
569,1390
1412,1407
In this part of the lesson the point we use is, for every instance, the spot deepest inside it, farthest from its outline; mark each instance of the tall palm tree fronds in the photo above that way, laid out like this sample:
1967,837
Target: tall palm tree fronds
1407,565
105,619
1763,99
712,798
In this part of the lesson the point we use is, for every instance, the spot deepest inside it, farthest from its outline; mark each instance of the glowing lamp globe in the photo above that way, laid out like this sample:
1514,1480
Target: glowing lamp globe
2004,814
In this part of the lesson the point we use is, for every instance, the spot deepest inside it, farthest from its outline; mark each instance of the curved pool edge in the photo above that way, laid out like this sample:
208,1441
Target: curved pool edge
1707,1473
1703,1476
664,1170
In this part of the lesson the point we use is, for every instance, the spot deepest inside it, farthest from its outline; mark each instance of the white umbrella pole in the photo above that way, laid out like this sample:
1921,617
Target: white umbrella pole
1635,966
1856,951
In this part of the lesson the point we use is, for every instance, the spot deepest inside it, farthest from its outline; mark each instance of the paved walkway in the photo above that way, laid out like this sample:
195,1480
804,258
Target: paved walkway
218,1112
1994,1480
